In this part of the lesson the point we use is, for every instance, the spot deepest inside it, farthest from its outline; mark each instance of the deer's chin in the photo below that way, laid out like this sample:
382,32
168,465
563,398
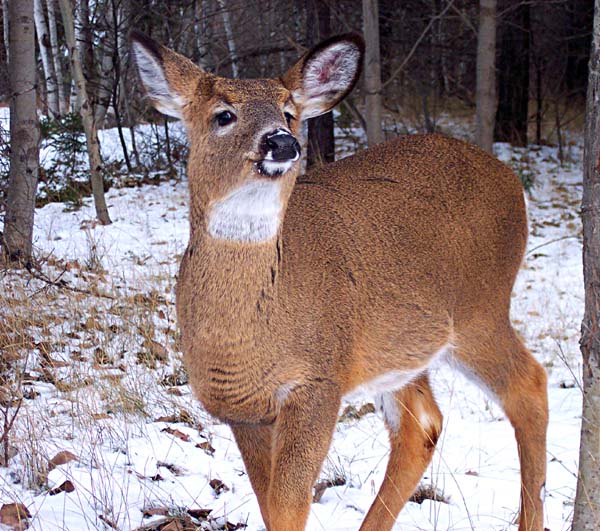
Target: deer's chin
272,168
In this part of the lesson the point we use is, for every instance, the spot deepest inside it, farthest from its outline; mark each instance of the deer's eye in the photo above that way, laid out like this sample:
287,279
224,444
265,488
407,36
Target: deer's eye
225,118
289,118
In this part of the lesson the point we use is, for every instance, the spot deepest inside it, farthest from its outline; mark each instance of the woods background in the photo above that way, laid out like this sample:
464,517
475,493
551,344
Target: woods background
512,71
428,62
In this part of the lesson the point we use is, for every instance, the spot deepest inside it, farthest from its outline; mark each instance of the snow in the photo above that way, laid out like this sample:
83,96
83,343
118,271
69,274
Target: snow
105,411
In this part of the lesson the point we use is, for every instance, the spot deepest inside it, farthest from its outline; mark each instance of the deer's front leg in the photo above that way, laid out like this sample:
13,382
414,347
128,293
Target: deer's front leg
302,436
255,444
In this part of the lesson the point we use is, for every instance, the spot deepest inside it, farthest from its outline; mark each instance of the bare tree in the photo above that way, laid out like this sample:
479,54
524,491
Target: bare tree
486,75
24,134
230,40
587,502
513,75
58,69
320,140
200,28
43,39
87,115
5,26
372,72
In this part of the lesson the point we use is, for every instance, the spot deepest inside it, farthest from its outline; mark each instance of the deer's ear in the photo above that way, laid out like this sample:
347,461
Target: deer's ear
170,80
326,74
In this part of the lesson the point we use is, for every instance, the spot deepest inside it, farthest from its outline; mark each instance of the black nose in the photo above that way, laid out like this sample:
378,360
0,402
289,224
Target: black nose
280,146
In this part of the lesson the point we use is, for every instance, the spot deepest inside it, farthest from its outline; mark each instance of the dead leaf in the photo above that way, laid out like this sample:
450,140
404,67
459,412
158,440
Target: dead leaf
15,516
167,418
155,511
428,492
471,473
101,357
100,416
66,486
108,522
206,447
61,458
176,433
174,525
91,323
200,514
322,485
156,350
174,469
218,486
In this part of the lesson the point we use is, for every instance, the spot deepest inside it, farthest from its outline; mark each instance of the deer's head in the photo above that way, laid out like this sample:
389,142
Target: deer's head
244,152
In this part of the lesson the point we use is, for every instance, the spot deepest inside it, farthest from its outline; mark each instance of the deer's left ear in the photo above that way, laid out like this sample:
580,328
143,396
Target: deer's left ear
326,74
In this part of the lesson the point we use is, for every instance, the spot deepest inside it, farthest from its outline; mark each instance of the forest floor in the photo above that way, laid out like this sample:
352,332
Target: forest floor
109,436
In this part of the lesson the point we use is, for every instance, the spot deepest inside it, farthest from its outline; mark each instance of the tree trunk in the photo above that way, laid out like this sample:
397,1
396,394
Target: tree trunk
43,39
58,72
486,75
200,29
230,40
24,135
513,77
321,146
587,502
372,72
5,17
104,85
87,115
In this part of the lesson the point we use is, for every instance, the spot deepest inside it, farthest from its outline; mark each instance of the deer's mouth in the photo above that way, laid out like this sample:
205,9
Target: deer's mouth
274,168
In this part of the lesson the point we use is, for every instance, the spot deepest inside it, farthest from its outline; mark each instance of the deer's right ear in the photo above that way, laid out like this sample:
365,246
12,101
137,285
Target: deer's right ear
169,79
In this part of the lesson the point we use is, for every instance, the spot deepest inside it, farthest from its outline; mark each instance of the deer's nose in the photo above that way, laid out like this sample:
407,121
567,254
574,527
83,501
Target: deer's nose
280,146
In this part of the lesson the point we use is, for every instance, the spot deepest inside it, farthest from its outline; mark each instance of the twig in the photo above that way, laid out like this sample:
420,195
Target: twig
58,283
416,44
549,242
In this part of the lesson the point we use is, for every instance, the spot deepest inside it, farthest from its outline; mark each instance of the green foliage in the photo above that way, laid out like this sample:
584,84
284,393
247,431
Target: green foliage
67,178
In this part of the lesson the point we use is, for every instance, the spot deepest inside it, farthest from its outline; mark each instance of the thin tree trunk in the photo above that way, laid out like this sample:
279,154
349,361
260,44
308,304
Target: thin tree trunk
116,61
24,135
513,77
58,72
87,115
5,18
372,72
321,144
105,80
230,40
43,39
486,75
587,501
200,29
539,102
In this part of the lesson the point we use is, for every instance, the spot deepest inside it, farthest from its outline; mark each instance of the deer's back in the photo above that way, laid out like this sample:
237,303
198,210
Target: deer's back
421,225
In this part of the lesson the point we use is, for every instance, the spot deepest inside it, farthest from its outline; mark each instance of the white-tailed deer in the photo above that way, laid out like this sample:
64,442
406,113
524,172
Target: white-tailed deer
295,291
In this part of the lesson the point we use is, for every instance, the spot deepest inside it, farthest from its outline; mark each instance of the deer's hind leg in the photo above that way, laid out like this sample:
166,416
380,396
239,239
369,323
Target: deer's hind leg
499,361
414,423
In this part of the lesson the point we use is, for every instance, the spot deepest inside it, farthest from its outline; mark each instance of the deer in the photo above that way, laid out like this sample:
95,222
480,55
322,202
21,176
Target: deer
297,290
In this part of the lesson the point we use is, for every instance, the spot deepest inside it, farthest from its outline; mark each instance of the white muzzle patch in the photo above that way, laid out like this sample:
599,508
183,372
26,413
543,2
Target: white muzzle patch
250,213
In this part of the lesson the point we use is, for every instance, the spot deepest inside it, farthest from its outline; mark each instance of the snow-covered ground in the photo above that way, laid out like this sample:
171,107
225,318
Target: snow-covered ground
103,380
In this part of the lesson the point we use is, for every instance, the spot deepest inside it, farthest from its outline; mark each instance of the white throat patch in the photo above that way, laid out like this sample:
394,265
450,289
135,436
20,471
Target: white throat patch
251,213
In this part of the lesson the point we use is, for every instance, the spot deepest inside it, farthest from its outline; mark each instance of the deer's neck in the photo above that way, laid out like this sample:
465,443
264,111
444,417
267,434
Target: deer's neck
232,286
